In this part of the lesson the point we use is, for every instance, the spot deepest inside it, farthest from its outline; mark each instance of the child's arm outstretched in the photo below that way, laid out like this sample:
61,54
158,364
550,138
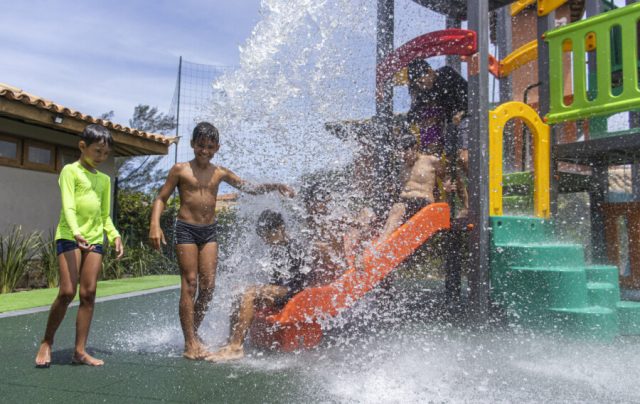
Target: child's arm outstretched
256,189
156,236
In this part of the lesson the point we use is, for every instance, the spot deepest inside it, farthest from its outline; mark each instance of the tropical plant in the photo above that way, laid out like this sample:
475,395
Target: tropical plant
113,268
134,213
17,250
139,260
49,260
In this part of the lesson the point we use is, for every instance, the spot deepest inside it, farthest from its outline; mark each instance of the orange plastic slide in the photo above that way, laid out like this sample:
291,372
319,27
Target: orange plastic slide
296,324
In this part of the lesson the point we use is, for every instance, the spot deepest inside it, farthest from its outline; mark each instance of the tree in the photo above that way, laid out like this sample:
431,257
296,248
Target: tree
142,173
107,116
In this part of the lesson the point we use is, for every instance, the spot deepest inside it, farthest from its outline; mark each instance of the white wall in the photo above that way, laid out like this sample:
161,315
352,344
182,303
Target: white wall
32,198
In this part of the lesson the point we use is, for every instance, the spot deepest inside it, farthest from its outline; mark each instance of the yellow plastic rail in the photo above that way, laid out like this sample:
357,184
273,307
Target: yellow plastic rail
520,5
547,6
519,57
541,148
544,6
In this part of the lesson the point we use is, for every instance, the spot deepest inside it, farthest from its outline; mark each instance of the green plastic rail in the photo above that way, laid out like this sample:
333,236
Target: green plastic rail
604,101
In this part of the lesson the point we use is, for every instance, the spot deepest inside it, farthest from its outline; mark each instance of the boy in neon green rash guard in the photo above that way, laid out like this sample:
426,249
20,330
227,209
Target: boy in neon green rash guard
84,221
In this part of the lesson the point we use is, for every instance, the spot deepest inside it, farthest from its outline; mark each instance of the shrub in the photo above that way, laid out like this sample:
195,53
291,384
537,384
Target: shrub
49,260
139,260
134,215
17,250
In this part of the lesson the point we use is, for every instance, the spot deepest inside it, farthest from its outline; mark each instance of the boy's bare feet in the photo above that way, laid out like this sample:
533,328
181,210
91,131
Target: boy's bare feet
85,359
196,351
43,357
225,354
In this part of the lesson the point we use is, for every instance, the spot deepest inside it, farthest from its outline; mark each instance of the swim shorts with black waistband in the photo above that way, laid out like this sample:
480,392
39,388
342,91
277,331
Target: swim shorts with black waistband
198,234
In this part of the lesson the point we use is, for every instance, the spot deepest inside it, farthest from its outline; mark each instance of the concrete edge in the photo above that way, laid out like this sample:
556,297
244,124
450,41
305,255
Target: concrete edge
39,309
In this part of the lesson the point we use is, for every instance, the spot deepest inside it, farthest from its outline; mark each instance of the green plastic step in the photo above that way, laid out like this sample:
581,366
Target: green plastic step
536,289
539,255
603,294
629,317
514,229
602,273
592,322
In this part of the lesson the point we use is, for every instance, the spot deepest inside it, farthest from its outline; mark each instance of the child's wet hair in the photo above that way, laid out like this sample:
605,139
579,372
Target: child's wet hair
205,130
96,134
269,221
407,141
417,68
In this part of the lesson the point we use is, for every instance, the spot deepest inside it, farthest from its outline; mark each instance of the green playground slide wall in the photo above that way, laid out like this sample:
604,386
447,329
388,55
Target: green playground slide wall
547,286
601,100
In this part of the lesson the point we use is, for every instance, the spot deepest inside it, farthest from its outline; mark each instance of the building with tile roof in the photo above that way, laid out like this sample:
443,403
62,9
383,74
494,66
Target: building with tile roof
37,138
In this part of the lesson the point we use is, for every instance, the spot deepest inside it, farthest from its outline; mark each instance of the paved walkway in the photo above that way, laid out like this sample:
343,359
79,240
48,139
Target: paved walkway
130,375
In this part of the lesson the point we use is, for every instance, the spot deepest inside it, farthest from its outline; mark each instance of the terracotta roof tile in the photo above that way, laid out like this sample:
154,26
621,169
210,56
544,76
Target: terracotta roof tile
14,93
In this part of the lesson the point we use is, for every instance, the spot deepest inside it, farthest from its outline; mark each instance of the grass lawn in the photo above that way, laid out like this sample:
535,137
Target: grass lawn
44,297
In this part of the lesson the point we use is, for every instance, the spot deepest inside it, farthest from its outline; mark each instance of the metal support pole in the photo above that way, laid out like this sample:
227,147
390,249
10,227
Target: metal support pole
454,258
384,46
597,198
544,24
178,108
478,20
599,174
634,122
505,46
453,60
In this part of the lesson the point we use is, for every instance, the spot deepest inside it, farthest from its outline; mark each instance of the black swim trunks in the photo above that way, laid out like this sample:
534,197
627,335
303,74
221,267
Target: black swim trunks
413,206
63,246
198,234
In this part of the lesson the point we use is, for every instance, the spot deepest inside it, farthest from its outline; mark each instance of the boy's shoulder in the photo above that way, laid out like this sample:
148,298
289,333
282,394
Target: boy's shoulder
103,176
71,166
180,168
186,169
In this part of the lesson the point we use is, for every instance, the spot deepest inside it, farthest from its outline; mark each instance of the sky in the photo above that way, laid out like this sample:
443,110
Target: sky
98,55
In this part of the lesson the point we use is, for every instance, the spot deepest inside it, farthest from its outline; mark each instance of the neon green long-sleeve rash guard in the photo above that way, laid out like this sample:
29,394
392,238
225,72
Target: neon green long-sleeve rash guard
86,201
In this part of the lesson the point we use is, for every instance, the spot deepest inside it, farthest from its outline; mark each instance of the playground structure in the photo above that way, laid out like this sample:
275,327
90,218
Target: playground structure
584,75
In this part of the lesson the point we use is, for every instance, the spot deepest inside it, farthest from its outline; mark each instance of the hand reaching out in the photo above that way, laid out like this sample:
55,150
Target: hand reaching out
286,190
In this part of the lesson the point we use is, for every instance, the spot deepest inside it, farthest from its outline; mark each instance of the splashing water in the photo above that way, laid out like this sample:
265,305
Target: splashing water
306,63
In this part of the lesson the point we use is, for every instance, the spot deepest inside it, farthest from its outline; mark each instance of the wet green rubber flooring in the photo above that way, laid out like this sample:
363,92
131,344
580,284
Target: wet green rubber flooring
398,353
129,375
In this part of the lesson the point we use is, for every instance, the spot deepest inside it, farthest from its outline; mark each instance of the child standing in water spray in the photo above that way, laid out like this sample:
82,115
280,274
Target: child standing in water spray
195,232
84,221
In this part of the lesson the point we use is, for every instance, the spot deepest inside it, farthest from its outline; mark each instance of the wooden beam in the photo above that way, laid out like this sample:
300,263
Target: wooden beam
42,117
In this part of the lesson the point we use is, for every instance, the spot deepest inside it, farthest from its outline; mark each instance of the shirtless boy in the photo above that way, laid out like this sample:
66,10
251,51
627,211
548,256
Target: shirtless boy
290,275
419,175
196,244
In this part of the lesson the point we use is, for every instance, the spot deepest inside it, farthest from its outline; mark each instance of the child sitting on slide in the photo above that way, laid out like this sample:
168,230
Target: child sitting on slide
290,275
422,168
